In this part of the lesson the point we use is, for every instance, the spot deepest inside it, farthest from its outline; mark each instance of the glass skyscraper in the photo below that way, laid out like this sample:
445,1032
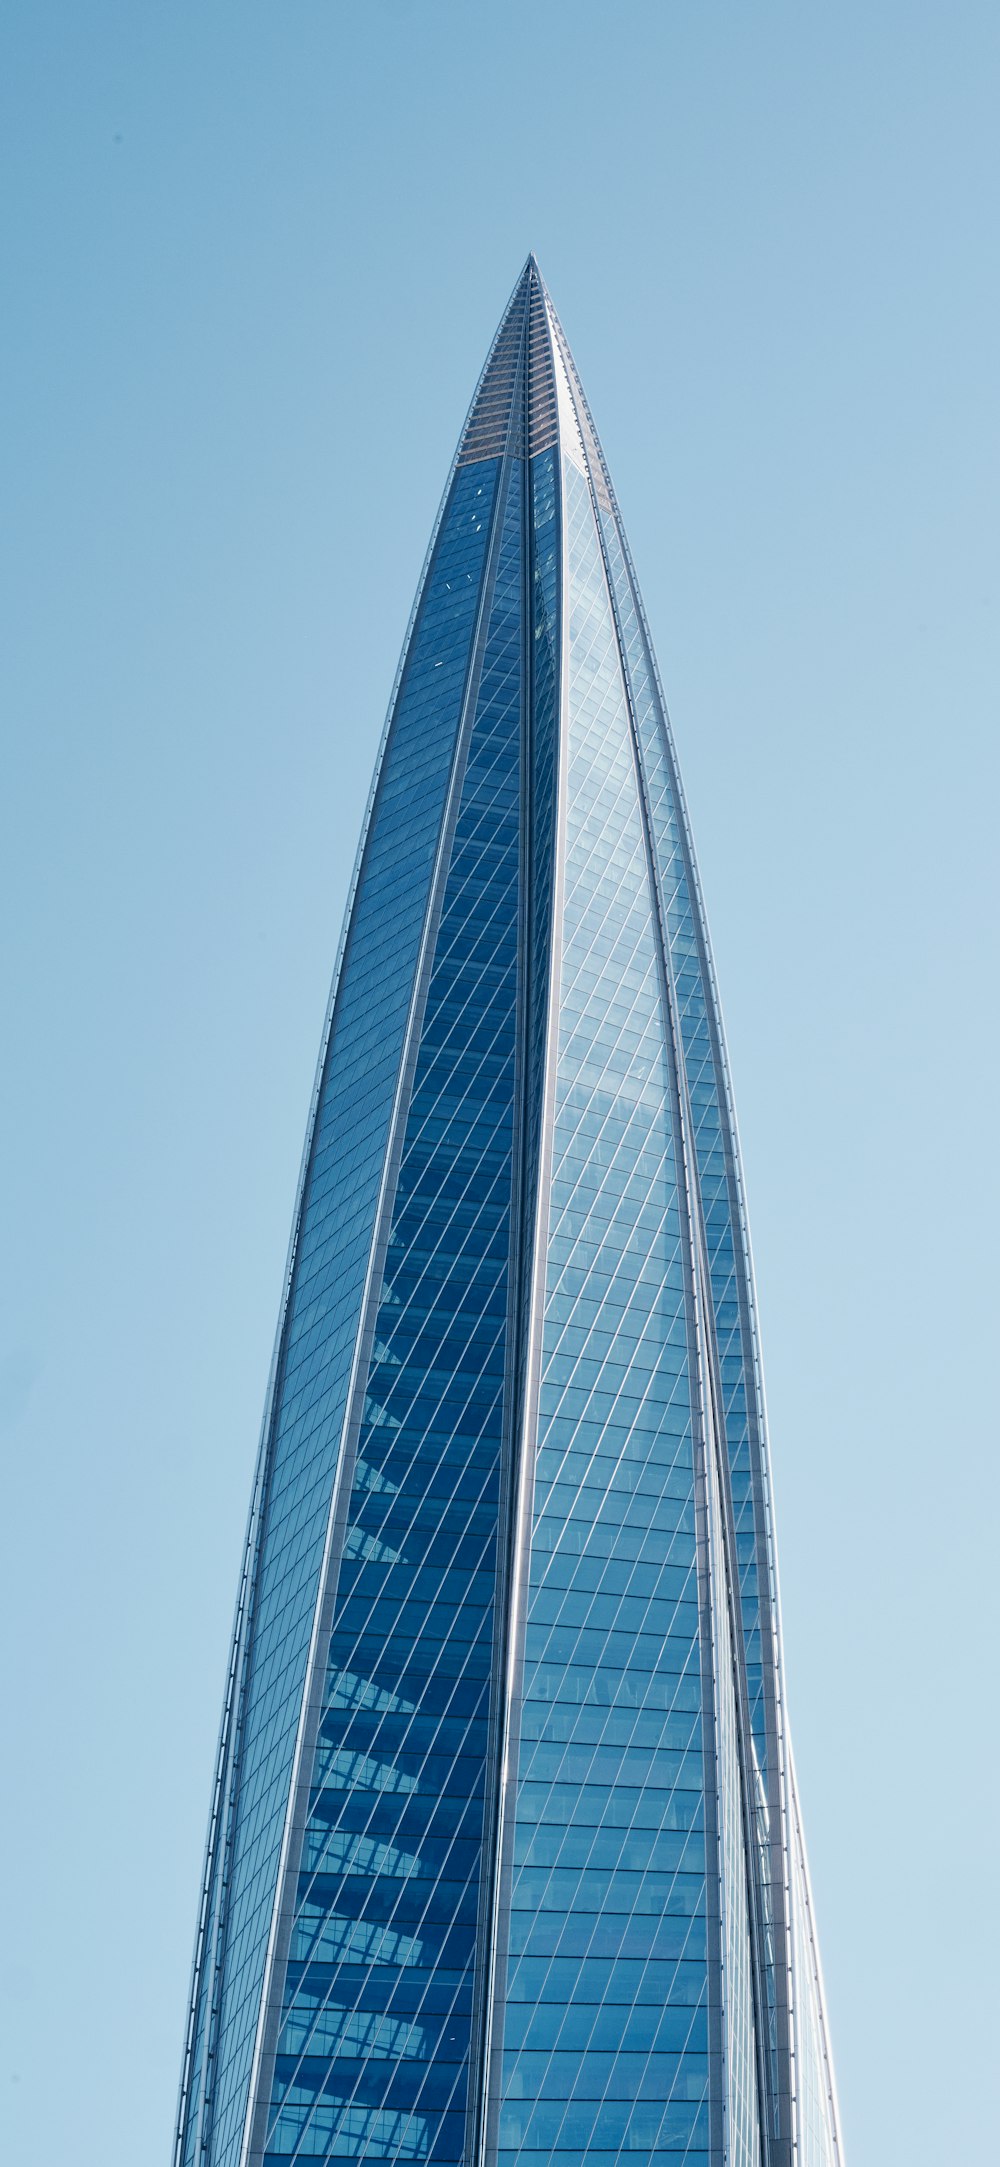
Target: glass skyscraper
505,1861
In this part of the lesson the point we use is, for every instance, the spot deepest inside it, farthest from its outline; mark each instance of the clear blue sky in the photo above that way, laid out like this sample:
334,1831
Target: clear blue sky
253,256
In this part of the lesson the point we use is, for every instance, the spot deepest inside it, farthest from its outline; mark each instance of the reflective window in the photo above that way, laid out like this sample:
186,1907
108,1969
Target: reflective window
608,1905
334,1241
373,2058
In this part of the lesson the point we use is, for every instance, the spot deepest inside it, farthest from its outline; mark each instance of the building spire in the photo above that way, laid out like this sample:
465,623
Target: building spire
517,385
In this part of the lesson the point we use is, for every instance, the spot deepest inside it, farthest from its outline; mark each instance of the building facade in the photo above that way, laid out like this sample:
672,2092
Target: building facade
505,1861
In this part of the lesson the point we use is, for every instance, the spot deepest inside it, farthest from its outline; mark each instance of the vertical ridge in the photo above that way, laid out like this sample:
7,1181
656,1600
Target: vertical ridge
540,766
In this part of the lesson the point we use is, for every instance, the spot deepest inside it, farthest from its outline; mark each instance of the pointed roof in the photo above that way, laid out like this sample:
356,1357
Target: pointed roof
516,394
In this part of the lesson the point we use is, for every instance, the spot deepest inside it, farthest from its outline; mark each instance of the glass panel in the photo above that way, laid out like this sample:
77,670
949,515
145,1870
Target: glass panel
717,1165
334,1241
374,2053
607,1936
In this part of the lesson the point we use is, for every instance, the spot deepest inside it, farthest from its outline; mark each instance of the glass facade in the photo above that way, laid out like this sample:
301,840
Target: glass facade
505,1862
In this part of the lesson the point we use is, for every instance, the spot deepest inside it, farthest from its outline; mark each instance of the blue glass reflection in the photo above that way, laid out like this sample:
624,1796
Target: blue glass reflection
334,1240
608,1903
374,2052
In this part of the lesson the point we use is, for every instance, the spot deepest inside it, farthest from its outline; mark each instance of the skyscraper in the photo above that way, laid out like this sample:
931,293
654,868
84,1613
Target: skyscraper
505,1860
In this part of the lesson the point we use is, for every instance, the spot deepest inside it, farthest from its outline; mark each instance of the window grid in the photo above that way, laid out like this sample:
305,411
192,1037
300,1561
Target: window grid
389,1886
614,1756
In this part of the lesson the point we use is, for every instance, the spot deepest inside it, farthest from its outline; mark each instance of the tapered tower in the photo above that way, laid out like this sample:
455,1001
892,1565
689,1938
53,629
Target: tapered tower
505,1861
